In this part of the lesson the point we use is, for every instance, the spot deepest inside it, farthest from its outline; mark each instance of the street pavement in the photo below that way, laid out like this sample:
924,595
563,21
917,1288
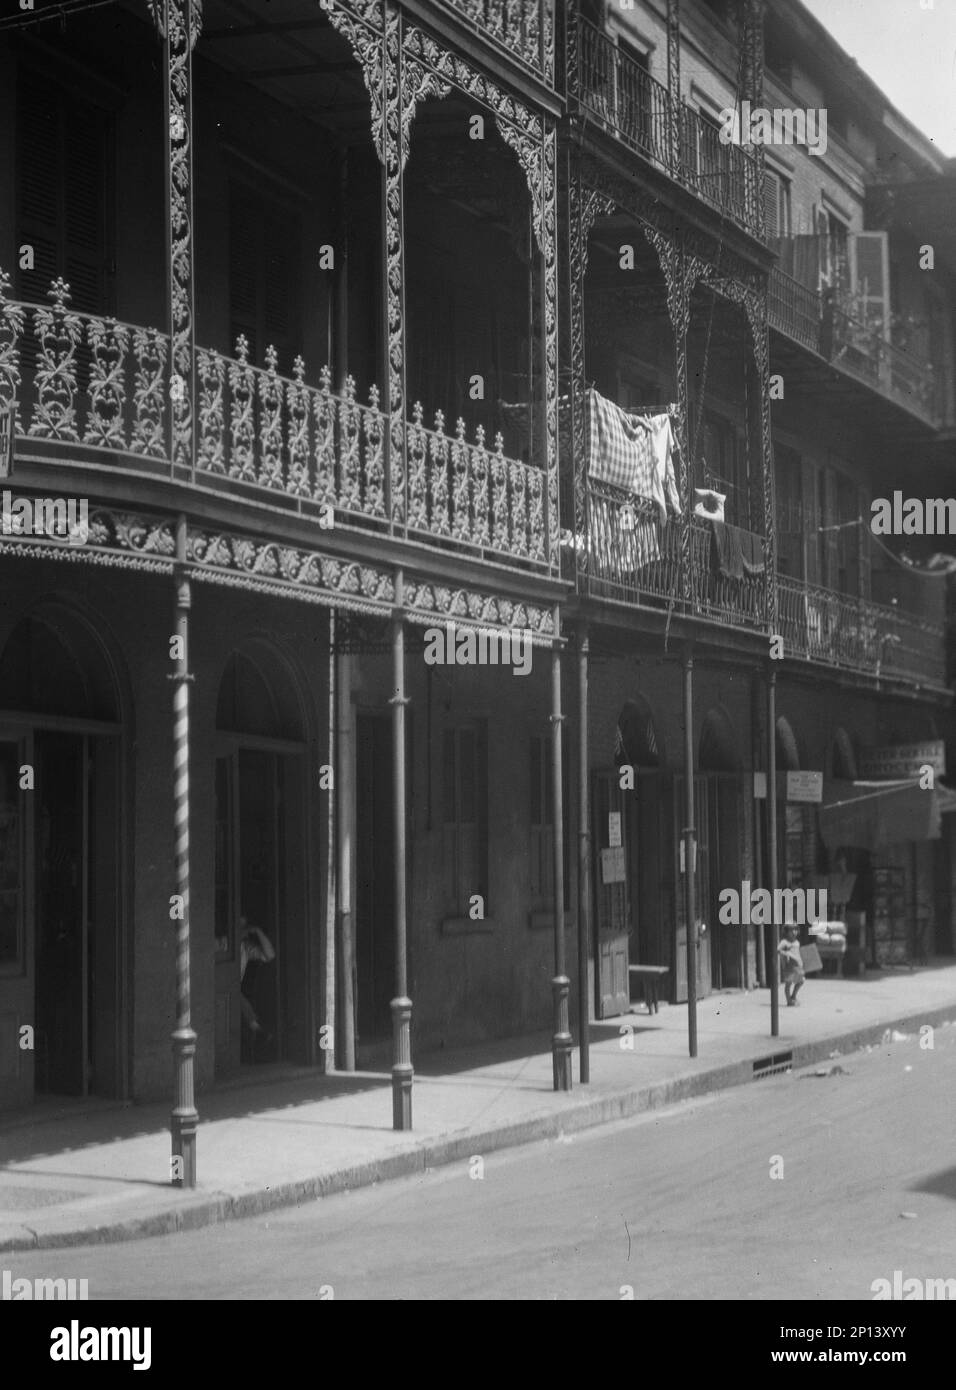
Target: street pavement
97,1172
803,1187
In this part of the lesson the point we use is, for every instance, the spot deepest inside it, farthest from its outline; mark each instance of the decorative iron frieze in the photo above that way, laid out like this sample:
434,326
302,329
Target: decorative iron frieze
362,22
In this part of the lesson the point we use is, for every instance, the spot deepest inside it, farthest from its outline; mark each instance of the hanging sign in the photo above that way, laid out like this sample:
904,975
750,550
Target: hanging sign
614,829
898,760
804,786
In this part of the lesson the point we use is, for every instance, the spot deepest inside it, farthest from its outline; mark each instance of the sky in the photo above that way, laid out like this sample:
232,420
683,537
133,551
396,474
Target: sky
908,51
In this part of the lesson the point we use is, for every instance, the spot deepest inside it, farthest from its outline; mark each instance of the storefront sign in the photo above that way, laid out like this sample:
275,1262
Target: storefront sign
899,760
804,786
612,865
614,829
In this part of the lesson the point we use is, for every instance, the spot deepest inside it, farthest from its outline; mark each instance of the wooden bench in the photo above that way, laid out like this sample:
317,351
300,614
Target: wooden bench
650,976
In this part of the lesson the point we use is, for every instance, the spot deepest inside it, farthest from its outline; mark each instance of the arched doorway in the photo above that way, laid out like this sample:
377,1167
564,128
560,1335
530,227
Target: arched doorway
60,860
263,1000
719,843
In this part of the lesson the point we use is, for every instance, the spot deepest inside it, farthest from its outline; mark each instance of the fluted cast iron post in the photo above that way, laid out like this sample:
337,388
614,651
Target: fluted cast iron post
560,985
401,1005
185,1117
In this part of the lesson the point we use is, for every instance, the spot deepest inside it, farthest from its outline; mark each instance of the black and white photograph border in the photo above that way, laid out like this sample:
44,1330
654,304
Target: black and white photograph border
603,349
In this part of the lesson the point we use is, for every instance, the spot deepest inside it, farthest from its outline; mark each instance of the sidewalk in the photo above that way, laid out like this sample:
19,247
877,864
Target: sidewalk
95,1171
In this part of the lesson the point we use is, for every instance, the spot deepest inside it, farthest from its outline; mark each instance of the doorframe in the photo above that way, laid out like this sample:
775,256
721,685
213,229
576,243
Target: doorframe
229,743
30,725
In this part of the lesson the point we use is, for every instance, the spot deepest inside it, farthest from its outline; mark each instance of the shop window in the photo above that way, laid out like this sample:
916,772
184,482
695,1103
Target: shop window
541,814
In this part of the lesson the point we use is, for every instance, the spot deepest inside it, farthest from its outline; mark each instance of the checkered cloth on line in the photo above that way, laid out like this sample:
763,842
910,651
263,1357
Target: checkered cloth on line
634,452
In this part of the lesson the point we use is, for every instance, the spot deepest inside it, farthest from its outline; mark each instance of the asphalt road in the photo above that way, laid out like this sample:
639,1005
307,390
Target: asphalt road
679,1204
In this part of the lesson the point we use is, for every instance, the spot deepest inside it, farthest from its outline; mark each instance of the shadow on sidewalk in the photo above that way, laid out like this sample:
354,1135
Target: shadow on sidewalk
58,1125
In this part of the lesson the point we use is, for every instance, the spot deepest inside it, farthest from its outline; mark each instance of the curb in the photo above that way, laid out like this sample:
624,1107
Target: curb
435,1153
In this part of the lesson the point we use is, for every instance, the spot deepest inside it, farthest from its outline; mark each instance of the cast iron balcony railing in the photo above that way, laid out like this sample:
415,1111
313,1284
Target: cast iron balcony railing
856,634
631,557
85,389
827,327
635,108
523,29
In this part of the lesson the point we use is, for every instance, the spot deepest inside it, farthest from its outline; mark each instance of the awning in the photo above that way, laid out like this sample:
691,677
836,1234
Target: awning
872,815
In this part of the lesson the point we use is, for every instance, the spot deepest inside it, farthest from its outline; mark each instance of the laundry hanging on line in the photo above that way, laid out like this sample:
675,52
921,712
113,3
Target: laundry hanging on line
633,452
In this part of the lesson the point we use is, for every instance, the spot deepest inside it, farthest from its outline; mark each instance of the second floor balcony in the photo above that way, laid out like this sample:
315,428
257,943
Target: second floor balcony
86,391
524,29
630,557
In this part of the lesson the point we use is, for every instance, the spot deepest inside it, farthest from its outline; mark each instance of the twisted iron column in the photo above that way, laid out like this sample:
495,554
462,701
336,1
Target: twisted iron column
185,1117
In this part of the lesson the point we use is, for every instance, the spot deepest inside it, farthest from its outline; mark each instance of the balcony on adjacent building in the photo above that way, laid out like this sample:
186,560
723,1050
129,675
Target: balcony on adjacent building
816,302
633,107
82,391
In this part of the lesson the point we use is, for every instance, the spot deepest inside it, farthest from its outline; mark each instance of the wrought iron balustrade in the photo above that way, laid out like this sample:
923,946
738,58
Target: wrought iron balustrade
857,634
830,329
629,555
93,388
796,310
636,108
523,28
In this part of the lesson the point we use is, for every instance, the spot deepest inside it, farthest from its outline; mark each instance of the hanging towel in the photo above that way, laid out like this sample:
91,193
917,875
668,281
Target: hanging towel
726,556
632,452
735,553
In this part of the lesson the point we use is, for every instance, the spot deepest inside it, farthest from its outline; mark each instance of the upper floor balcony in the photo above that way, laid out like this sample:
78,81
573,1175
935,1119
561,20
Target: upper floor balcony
633,107
522,29
844,321
84,391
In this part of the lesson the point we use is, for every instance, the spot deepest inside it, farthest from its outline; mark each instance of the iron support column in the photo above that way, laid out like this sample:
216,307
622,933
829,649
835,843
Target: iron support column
584,864
560,985
773,964
401,1004
690,852
184,1117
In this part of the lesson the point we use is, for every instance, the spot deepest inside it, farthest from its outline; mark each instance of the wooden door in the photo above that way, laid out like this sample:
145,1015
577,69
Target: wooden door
612,914
701,922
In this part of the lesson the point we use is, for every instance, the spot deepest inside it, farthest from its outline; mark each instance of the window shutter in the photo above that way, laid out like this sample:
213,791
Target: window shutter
243,261
62,207
771,190
812,519
869,269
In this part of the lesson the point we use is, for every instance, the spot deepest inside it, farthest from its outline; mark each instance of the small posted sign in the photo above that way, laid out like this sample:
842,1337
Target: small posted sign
805,786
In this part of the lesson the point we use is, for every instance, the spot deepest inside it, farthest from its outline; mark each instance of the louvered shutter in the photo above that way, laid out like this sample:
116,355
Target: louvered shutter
812,519
244,251
869,268
830,519
863,543
62,207
84,188
771,191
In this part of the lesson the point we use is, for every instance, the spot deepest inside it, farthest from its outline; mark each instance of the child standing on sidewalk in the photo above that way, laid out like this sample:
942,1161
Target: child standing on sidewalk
791,963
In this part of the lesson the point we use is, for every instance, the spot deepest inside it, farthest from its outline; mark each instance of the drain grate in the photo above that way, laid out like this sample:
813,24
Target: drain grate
773,1066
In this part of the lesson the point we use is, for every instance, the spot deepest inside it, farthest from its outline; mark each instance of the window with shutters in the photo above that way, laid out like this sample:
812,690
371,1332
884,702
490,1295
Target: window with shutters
465,815
264,267
63,174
